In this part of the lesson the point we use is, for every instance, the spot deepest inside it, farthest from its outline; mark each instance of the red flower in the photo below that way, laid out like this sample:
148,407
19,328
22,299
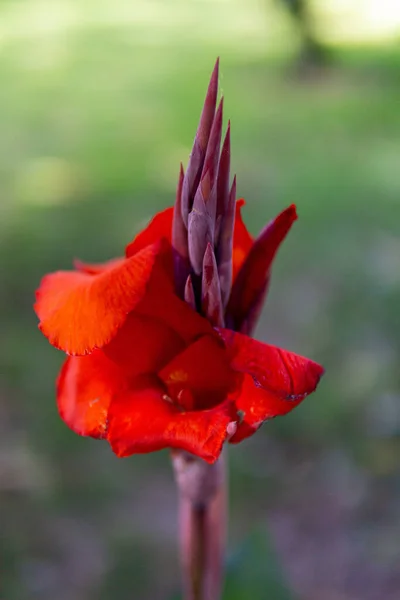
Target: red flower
151,361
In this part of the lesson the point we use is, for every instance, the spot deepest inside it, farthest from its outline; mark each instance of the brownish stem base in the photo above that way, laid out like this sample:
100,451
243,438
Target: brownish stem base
202,524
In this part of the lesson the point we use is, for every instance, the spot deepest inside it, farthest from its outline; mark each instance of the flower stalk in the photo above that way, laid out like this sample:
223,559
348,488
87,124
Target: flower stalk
202,521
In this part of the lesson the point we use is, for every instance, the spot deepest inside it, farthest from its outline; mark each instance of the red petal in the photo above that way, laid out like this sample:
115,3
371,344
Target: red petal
159,227
163,304
96,268
258,405
242,240
145,420
252,279
286,375
204,369
275,382
84,389
79,312
143,345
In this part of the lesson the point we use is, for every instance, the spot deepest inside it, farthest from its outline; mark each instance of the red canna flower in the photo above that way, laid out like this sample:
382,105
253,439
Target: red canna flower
157,341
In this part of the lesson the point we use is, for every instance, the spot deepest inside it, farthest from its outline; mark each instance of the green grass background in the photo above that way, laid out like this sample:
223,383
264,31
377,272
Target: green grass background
99,103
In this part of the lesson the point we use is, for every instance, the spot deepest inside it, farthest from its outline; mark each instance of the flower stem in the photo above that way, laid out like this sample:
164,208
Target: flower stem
202,524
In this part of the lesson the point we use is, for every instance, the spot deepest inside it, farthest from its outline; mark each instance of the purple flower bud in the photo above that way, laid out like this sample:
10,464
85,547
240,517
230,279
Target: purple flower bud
196,161
180,240
225,244
189,294
200,232
191,179
211,302
207,211
208,180
223,174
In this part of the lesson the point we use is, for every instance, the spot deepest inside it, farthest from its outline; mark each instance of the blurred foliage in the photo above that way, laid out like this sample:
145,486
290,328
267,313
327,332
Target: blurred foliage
99,104
312,53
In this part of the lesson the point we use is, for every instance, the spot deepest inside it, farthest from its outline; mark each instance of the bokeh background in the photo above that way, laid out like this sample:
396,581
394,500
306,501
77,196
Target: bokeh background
99,102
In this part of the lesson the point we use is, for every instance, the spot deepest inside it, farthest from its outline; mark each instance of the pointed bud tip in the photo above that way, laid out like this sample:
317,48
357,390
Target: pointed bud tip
189,294
209,256
233,189
213,85
208,112
226,147
209,264
216,67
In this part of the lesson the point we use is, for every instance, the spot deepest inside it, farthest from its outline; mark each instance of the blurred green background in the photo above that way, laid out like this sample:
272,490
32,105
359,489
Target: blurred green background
99,103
